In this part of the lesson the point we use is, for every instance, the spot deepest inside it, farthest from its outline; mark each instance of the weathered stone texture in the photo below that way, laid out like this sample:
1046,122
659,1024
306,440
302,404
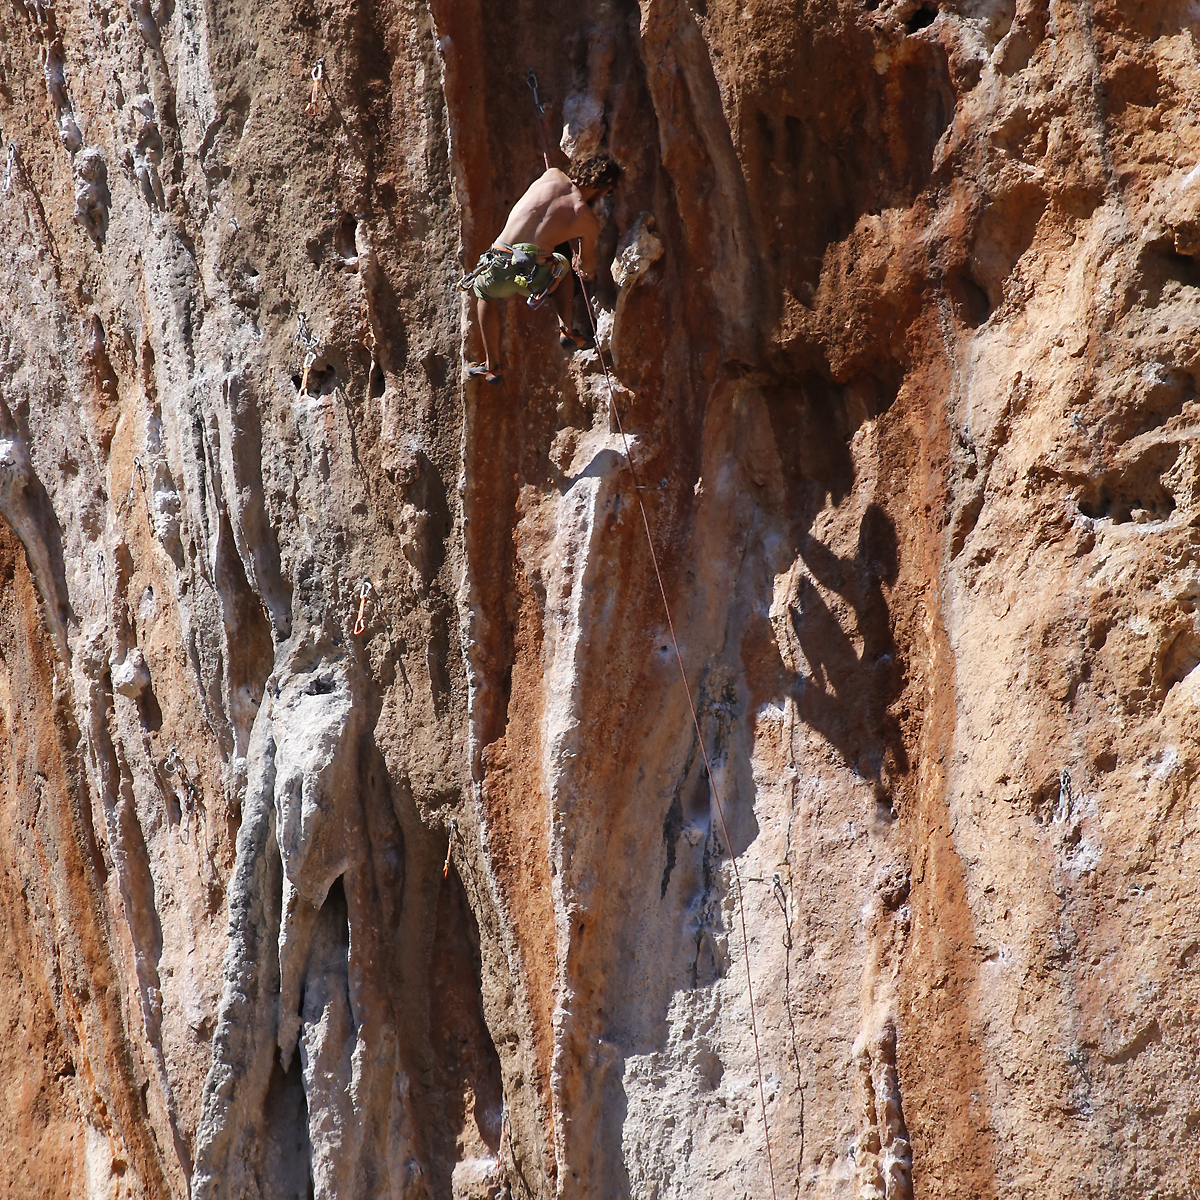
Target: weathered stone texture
899,298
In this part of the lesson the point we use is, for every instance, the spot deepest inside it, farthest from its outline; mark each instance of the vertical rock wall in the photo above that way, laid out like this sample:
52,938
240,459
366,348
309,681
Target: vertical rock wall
898,300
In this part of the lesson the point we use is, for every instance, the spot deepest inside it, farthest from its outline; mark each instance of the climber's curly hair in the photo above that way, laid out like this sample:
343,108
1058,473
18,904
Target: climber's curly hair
597,171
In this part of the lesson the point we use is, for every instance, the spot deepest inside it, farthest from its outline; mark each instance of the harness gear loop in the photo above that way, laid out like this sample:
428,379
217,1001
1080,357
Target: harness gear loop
364,592
716,794
317,75
486,260
449,846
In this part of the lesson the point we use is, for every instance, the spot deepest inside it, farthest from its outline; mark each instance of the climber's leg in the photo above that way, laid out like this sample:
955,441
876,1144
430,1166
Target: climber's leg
564,297
564,294
489,328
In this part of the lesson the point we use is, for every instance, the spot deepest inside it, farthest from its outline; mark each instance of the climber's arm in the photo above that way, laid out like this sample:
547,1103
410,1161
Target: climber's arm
586,228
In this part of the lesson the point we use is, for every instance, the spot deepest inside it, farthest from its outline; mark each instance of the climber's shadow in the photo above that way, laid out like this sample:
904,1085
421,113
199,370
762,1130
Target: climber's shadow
853,676
844,672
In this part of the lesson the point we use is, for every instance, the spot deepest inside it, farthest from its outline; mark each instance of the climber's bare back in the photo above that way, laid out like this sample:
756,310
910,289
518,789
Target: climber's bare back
552,211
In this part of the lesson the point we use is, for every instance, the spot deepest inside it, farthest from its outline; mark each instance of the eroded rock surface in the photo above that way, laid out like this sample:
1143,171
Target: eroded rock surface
898,298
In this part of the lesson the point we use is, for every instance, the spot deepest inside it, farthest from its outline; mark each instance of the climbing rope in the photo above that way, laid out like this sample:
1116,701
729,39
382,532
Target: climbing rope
532,82
662,591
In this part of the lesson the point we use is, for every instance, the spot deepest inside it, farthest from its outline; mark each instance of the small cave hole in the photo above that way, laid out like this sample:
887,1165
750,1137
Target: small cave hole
1181,659
971,303
672,828
1134,493
343,240
149,711
320,382
1112,503
922,18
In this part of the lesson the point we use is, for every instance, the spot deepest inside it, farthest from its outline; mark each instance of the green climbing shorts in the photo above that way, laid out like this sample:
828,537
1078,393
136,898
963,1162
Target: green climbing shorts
502,279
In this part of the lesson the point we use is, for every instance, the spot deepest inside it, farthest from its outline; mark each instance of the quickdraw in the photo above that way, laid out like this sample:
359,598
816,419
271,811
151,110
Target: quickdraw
12,166
372,347
309,359
306,338
138,472
173,765
317,75
364,592
531,81
489,258
449,846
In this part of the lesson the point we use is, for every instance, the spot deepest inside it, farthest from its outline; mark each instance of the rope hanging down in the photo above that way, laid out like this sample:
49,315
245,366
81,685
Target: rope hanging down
532,82
662,591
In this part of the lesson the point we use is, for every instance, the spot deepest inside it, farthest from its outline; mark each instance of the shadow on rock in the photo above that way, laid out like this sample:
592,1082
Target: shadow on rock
846,691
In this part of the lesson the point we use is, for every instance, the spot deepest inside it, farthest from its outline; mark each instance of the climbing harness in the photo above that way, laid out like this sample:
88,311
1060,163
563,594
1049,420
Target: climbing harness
449,846
363,593
317,75
500,254
662,591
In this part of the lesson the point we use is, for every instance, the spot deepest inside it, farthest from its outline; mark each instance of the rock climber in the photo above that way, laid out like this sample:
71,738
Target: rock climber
523,262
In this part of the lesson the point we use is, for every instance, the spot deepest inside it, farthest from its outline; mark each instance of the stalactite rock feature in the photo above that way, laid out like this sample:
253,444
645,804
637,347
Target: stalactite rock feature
356,837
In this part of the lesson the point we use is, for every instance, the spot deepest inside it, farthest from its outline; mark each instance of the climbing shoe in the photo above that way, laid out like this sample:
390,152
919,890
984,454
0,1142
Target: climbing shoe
571,341
484,372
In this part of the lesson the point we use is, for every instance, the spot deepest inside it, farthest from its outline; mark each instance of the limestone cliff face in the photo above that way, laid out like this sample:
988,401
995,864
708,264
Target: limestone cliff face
900,299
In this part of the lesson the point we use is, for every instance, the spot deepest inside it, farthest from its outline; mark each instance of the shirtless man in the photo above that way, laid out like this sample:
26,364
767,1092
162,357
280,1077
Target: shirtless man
555,209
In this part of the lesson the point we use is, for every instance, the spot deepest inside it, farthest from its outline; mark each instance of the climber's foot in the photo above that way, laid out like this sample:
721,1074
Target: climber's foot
571,341
484,372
